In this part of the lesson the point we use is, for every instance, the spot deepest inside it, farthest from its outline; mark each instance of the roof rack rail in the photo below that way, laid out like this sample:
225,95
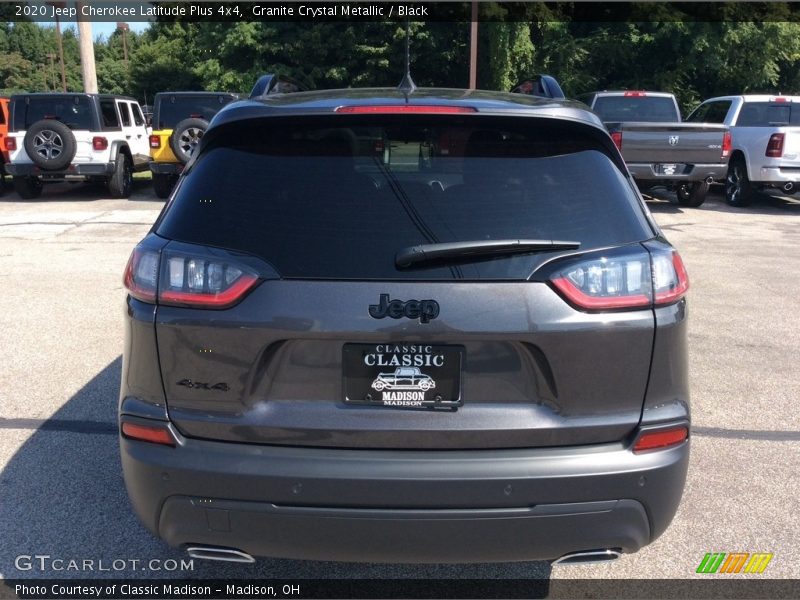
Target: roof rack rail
274,83
543,86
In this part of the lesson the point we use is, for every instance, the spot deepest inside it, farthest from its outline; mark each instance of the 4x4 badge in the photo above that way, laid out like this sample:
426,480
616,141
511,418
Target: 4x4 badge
424,310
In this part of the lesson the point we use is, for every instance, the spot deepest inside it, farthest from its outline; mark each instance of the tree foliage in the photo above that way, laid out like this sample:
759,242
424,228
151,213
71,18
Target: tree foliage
650,48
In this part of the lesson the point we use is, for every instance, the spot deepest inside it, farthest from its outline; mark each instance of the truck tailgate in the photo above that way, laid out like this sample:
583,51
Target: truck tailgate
693,143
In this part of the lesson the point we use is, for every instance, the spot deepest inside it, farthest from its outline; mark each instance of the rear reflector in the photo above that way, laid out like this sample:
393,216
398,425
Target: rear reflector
635,94
663,438
99,143
617,137
405,108
155,141
11,144
727,144
145,433
775,146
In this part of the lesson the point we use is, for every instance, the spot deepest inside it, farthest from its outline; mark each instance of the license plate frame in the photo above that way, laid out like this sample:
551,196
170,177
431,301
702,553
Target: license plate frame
403,375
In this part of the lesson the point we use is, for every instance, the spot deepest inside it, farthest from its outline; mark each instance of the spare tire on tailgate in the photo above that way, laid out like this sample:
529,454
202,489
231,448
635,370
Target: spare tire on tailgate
185,137
50,144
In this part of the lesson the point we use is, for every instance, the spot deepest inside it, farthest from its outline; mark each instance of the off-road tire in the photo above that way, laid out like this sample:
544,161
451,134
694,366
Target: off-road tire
185,137
121,182
50,144
28,188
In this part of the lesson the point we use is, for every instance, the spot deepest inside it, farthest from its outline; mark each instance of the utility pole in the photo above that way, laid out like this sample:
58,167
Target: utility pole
60,46
473,48
124,27
87,52
52,58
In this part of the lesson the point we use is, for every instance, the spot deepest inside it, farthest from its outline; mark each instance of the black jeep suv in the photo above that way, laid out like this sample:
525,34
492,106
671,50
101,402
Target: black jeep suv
429,327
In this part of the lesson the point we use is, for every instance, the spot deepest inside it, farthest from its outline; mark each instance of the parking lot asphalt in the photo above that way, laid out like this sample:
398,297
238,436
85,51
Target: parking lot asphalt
61,309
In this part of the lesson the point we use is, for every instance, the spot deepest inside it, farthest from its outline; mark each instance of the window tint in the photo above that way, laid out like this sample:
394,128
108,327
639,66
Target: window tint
766,114
109,114
124,111
138,119
340,202
74,111
653,109
171,110
2,115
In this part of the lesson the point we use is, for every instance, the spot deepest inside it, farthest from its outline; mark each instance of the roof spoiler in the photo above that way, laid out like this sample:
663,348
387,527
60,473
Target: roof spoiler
543,86
274,83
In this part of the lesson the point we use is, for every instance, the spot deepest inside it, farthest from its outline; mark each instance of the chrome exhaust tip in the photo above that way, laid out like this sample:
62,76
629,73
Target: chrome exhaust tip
220,554
709,180
589,557
788,187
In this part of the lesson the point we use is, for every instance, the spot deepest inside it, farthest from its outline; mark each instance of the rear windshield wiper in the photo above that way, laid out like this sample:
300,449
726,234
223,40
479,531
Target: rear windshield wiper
479,249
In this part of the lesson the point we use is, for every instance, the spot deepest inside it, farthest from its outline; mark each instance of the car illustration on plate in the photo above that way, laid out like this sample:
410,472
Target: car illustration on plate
403,378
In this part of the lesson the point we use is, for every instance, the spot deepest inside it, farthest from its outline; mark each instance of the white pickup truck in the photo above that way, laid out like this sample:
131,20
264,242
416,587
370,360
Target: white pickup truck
71,136
765,142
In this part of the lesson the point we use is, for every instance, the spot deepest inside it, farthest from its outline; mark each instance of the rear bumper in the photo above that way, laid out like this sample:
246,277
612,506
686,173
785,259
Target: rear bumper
74,171
166,168
403,506
697,172
778,174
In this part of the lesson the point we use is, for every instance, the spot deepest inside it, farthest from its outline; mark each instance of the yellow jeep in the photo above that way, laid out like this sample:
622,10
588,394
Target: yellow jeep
179,121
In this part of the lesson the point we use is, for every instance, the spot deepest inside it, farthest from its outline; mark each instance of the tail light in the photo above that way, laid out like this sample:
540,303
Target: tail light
635,94
99,143
617,137
624,281
661,439
203,283
141,275
11,144
155,141
178,279
775,145
727,144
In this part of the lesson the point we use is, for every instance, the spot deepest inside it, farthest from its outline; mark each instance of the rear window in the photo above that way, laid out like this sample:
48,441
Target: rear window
76,112
322,201
652,109
768,114
171,110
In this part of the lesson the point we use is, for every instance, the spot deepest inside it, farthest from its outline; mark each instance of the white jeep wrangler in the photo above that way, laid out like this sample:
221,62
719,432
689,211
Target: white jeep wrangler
69,136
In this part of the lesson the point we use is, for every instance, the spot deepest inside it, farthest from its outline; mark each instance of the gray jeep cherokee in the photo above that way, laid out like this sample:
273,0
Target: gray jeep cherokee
320,242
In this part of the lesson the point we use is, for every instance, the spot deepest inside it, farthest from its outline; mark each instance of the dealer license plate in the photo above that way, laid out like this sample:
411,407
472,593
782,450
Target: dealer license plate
404,375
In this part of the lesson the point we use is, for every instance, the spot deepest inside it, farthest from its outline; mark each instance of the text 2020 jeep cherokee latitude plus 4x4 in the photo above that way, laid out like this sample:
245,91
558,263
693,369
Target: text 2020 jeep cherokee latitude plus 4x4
494,242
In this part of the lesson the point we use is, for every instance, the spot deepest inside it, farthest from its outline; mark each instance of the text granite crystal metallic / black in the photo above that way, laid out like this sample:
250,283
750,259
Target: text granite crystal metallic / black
391,326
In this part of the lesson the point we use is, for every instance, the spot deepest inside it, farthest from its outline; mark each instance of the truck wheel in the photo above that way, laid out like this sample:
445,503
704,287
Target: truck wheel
692,194
185,137
738,190
120,183
163,184
28,188
50,144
